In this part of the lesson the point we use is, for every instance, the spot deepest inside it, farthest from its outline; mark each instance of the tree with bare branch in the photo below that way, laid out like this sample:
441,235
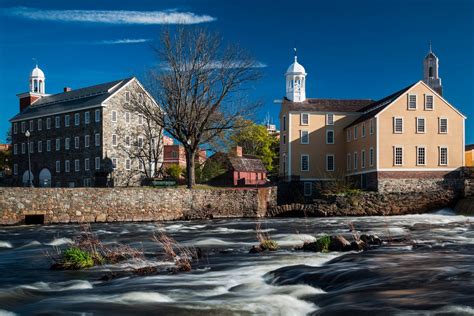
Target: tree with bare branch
200,89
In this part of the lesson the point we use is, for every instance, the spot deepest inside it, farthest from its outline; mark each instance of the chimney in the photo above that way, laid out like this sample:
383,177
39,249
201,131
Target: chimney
67,89
238,151
26,99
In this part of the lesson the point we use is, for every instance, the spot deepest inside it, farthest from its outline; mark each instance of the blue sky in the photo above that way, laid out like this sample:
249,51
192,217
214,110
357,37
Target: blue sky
350,49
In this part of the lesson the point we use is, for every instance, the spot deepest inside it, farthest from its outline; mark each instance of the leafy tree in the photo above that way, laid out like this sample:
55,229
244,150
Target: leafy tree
175,171
255,140
213,167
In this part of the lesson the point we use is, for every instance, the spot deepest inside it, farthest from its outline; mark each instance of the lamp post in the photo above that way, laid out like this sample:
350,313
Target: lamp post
27,134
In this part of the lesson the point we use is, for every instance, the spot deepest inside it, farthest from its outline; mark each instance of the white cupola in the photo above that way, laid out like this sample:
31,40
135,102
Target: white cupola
296,82
37,81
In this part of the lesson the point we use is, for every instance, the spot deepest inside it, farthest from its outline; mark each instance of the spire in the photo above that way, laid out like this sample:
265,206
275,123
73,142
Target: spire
430,47
296,57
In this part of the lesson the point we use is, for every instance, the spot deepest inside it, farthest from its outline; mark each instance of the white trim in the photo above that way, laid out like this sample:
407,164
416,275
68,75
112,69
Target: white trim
439,155
333,162
425,158
355,161
394,120
362,159
408,101
324,112
394,148
439,124
417,169
355,132
463,149
327,119
289,146
333,136
317,179
362,172
301,162
114,137
371,163
112,116
301,137
371,126
441,97
349,162
301,118
377,142
424,125
432,102
362,130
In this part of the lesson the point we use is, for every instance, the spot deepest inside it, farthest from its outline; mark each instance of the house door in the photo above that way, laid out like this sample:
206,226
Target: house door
45,178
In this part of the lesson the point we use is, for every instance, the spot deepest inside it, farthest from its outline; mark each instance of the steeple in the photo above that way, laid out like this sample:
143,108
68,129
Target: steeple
295,82
37,81
430,72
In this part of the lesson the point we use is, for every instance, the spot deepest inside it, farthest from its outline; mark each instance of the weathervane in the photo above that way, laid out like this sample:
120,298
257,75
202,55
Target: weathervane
36,61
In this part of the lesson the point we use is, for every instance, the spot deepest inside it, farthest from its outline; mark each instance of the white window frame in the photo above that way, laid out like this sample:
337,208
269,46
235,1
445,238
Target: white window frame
140,142
417,125
58,166
283,139
97,139
333,163
395,156
67,143
356,161
307,188
97,163
58,144
127,117
349,162
67,120
32,147
87,117
77,165
23,148
114,163
302,119
77,119
67,166
57,121
327,137
348,135
97,116
356,132
86,141
40,146
77,142
127,96
32,125
114,140
363,130
418,156
330,119
48,123
140,119
23,127
301,162
15,149
409,107
395,131
371,126
284,123
48,145
439,125
371,157
128,164
15,169
362,159
15,128
40,125
114,116
440,148
426,102
87,164
302,137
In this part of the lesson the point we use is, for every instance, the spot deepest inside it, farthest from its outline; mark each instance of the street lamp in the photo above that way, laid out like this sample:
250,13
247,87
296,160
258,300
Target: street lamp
27,134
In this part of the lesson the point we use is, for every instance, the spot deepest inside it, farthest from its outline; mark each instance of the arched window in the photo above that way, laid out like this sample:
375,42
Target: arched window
35,85
430,71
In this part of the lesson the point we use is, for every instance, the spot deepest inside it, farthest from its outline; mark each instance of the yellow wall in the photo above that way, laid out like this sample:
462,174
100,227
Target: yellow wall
431,139
469,159
360,144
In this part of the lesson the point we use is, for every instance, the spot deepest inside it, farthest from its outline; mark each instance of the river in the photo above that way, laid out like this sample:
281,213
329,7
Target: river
429,272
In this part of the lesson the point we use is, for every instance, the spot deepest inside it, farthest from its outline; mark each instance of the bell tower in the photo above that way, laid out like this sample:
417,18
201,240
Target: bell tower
430,72
295,82
36,91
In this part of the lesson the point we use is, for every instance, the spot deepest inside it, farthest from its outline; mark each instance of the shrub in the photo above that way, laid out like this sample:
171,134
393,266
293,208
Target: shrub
269,244
75,258
323,243
174,171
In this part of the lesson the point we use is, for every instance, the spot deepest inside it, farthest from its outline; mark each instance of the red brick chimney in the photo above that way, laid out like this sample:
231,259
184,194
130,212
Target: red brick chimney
27,99
238,151
67,89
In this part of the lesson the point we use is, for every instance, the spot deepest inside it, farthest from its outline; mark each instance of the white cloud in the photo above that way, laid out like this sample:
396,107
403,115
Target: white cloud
218,64
124,41
109,17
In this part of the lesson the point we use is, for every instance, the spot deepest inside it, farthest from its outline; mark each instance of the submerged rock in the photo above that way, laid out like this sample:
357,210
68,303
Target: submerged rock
341,244
120,274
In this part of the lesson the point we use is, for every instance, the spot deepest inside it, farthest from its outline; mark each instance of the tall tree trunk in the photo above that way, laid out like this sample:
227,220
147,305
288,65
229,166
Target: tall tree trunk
191,177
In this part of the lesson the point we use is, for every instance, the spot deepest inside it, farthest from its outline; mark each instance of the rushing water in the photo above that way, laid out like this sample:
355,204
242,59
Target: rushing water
431,273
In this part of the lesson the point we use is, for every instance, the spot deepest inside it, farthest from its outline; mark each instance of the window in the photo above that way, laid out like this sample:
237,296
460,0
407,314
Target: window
67,166
77,119
23,127
284,139
86,164
57,122
429,102
97,163
32,125
87,182
87,117
127,141
174,155
330,137
140,119
304,137
420,125
77,165
307,188
114,163
15,128
48,123
398,125
114,116
114,140
40,146
15,149
355,161
304,163
58,166
329,119
97,115
304,119
443,125
58,144
348,135
141,166
15,169
140,142
284,123
86,140
443,156
67,120
127,96
371,126
23,150
412,101
349,162
67,143
356,132
97,139
48,145
32,147
363,129
420,156
362,159
398,156
127,117
40,124
128,164
371,157
76,142
330,164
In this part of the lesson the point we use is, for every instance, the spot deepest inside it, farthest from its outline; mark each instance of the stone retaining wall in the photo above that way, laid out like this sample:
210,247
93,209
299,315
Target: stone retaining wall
76,205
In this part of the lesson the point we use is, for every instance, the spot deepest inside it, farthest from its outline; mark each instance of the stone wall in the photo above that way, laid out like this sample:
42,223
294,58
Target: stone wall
75,205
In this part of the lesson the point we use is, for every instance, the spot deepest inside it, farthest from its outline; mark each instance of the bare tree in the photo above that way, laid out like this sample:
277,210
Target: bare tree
199,89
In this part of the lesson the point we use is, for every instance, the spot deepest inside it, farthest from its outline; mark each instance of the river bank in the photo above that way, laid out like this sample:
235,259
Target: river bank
404,277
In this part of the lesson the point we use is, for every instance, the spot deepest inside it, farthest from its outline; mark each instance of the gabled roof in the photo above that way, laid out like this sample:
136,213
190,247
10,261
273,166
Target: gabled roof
72,100
374,108
247,164
328,105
